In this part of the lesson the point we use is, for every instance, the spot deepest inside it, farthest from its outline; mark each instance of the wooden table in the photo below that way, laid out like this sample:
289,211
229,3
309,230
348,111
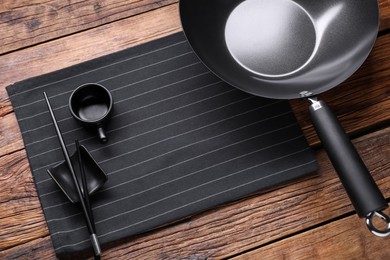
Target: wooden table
311,218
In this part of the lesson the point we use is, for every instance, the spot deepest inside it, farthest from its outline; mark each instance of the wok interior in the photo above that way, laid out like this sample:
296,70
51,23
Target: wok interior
281,48
266,45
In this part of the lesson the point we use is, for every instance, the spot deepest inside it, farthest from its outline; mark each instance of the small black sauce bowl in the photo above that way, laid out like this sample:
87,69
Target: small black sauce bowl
91,105
63,178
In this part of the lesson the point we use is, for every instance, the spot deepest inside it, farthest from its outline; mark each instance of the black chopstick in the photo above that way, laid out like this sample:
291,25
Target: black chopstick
84,185
86,196
93,237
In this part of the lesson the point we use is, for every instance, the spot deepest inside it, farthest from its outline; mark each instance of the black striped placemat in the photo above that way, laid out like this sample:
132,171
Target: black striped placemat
180,141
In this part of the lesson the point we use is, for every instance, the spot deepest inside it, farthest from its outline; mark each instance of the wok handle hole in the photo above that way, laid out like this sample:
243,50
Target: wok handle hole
372,220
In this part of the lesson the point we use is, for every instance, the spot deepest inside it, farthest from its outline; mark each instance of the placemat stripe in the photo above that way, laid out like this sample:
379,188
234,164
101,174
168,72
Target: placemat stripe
184,176
188,160
180,141
16,92
168,197
180,207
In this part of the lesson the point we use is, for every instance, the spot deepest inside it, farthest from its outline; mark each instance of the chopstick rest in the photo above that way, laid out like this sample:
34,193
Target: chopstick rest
94,174
85,190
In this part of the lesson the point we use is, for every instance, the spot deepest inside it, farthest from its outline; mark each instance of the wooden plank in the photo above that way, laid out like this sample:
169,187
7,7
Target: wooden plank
39,249
384,8
11,140
16,178
21,221
26,23
21,213
343,239
241,225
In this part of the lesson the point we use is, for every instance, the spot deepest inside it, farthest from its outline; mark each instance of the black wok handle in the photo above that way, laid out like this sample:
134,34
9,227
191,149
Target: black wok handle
353,173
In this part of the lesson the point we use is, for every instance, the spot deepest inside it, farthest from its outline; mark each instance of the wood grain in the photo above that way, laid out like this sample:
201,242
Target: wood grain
21,221
21,213
39,248
384,8
337,240
245,224
15,173
26,23
11,140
